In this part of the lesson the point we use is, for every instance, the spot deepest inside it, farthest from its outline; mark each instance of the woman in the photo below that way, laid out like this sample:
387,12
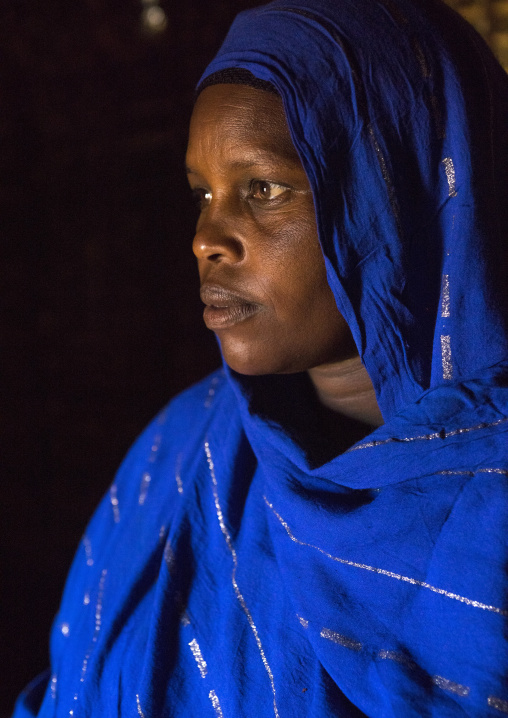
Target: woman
265,550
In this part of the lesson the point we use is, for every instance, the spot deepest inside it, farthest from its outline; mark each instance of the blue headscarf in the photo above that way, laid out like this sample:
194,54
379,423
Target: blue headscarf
400,115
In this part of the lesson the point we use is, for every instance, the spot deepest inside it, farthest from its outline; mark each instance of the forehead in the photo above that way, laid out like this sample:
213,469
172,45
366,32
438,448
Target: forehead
242,117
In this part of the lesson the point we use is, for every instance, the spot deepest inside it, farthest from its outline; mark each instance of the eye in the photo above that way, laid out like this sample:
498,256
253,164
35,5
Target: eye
265,191
201,197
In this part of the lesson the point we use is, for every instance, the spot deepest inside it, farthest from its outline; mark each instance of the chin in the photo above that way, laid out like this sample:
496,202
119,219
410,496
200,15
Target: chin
259,361
250,367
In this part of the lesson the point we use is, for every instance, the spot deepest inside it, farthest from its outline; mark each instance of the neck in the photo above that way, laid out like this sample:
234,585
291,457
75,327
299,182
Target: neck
345,388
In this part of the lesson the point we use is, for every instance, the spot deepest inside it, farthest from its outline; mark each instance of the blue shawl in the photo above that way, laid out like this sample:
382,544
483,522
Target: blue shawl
225,574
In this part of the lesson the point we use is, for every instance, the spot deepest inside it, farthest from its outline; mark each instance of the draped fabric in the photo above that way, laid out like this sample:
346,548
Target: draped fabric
225,573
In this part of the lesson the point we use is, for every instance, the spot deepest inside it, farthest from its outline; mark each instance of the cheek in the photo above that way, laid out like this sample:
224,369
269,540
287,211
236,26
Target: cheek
293,271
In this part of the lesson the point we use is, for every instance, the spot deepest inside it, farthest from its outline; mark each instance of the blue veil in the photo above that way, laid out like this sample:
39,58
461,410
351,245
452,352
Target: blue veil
400,115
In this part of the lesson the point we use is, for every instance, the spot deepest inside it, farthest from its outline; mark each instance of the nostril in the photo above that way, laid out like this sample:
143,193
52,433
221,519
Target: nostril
216,247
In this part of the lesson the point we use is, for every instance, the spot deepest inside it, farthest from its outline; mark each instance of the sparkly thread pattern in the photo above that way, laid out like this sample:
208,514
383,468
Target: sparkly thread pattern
451,472
138,704
113,497
239,596
155,446
450,686
498,703
386,177
211,392
169,557
397,657
198,656
178,478
340,639
154,450
95,637
446,357
143,489
389,574
303,622
64,629
215,703
88,551
450,176
54,681
425,437
445,296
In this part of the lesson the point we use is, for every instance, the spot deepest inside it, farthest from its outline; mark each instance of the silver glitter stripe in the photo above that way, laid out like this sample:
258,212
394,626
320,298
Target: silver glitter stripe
340,639
211,392
303,621
98,605
169,557
425,437
54,681
397,657
155,448
113,497
198,656
88,551
445,296
389,574
64,629
450,176
215,703
498,703
138,705
450,686
162,533
178,478
446,356
386,177
239,596
451,472
184,619
143,489
98,624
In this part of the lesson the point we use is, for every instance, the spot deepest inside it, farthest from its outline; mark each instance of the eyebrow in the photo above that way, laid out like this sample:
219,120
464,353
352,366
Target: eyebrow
272,158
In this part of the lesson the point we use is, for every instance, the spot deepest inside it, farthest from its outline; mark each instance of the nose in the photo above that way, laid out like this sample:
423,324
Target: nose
218,237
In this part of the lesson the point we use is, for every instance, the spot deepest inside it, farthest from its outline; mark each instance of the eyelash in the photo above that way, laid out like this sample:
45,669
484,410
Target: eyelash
284,189
199,196
202,196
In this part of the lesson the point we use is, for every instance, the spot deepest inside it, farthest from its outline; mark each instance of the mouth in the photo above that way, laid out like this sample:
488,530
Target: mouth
225,308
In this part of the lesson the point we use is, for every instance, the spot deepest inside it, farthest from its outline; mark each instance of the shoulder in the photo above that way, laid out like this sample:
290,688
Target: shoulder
179,426
148,483
185,415
201,397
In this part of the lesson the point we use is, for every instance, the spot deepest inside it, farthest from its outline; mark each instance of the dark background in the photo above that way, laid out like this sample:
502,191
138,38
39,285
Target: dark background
100,319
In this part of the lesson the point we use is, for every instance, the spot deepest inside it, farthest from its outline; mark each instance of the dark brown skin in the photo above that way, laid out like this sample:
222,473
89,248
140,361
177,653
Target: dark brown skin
261,268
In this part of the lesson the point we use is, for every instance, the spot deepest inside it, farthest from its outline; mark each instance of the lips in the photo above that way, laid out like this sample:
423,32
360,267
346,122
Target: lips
224,307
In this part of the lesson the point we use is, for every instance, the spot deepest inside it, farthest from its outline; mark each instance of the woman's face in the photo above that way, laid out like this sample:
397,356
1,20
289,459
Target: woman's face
262,273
